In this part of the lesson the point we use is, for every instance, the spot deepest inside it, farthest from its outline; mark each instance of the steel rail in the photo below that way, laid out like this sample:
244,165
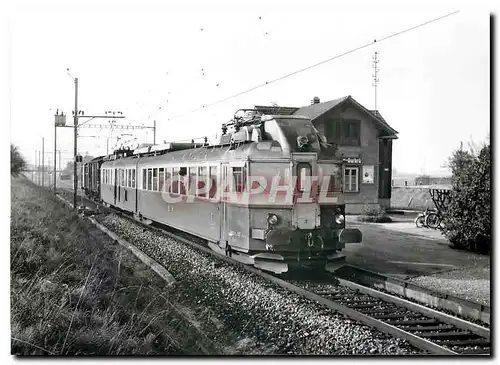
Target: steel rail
446,318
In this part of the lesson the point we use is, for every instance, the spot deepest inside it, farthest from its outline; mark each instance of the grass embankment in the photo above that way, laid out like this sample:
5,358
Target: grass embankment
76,292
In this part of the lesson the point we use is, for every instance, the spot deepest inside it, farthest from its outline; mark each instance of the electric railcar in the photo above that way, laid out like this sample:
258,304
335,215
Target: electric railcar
268,197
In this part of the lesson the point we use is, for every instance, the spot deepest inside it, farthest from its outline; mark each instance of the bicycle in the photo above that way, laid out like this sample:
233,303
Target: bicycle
434,220
421,220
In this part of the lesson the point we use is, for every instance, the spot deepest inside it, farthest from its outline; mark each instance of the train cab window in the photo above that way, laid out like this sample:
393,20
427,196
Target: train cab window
122,177
239,179
213,182
161,178
144,179
155,179
133,178
331,173
150,179
201,182
303,175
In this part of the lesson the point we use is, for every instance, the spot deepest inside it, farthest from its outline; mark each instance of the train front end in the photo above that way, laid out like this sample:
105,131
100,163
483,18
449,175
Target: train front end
305,216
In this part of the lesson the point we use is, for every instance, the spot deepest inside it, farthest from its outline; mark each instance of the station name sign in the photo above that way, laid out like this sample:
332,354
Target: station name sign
353,160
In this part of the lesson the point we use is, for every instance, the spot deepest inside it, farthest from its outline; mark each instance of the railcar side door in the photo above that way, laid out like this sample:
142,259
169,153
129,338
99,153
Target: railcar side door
115,184
224,167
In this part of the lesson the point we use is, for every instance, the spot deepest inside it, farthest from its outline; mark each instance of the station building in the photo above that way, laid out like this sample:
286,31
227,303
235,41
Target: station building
364,142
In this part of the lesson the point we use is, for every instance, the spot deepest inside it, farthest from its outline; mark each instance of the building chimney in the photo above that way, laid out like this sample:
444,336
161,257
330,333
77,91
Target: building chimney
315,100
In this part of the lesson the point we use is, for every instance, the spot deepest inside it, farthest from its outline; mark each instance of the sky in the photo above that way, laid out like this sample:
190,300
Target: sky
162,60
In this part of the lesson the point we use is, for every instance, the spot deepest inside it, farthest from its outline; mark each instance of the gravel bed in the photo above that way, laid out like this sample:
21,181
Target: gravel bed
265,318
471,283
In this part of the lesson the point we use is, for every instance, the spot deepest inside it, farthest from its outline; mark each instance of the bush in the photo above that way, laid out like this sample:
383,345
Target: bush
467,217
374,215
17,161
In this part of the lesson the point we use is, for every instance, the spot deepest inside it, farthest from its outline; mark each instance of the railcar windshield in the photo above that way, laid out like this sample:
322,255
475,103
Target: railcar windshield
295,128
333,177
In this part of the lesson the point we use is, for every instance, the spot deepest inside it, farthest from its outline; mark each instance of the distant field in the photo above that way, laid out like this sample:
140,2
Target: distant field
76,292
412,198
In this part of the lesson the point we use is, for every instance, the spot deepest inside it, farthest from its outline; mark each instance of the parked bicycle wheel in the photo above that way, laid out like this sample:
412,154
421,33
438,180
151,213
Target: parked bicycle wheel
432,220
420,221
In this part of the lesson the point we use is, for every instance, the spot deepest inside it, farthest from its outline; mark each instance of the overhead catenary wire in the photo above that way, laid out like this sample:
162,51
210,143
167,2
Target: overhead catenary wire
392,35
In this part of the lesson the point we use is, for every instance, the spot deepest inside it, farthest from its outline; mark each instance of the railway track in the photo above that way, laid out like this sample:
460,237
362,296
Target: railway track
427,329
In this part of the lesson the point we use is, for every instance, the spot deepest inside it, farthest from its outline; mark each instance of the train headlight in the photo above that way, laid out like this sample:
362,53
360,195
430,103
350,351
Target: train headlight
272,219
339,218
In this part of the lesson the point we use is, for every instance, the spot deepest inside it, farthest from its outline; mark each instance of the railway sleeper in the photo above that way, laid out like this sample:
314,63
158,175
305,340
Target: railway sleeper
386,314
428,328
461,343
415,321
450,335
360,305
480,351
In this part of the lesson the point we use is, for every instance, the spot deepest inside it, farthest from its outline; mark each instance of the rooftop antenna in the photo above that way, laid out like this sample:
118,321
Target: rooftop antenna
375,62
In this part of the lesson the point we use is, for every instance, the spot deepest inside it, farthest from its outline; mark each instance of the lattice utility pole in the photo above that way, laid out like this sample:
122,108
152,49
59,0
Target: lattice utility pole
375,62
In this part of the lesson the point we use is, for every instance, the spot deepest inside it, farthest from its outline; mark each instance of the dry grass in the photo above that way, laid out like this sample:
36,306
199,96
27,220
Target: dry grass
412,198
75,292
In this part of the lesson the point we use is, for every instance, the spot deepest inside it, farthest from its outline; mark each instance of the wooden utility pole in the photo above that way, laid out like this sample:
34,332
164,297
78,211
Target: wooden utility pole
75,132
375,75
34,169
55,152
43,166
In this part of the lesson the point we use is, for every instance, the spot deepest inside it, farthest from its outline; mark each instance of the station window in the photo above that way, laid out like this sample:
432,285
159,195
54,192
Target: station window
155,179
161,178
150,179
239,179
351,178
213,182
